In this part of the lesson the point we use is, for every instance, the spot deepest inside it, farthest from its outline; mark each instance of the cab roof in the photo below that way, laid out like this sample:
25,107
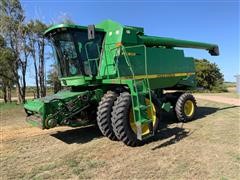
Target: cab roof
60,27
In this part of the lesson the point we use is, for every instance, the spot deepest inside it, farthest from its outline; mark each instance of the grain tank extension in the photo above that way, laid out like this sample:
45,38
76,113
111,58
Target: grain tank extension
116,77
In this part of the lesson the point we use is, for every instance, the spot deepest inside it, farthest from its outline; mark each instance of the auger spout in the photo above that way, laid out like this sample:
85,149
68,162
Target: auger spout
171,42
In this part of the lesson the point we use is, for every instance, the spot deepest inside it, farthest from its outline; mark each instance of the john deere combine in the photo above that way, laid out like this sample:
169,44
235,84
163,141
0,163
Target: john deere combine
116,77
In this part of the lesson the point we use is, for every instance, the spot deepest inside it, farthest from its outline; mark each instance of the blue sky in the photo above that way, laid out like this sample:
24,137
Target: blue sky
205,21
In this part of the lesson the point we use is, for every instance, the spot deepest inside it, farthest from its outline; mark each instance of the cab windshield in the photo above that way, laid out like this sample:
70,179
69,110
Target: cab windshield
76,55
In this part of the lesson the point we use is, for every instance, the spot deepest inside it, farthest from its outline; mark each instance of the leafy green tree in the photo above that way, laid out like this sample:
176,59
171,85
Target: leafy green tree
6,76
11,21
25,41
53,79
208,75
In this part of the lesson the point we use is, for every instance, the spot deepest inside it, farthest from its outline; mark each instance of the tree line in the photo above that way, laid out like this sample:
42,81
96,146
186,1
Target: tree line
20,41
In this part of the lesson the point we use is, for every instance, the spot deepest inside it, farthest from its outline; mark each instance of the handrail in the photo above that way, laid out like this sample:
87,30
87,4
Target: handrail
92,59
123,48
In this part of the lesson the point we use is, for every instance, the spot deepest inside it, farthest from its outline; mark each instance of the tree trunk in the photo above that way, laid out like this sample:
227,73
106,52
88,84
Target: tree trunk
18,92
24,85
56,86
15,69
36,76
33,53
18,88
9,93
17,81
41,68
4,90
24,67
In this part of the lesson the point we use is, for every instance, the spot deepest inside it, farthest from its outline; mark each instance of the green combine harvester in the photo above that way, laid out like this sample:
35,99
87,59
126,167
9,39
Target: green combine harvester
116,77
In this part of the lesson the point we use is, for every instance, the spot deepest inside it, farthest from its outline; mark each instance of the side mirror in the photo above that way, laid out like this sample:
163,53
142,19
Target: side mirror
91,32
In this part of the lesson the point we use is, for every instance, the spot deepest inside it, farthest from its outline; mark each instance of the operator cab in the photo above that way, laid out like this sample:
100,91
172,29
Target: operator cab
77,54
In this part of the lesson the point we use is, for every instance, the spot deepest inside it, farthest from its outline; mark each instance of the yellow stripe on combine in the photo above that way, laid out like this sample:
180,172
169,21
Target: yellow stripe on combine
153,76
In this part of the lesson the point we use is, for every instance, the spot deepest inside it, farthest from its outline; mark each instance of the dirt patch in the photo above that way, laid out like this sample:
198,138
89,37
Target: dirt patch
10,134
220,99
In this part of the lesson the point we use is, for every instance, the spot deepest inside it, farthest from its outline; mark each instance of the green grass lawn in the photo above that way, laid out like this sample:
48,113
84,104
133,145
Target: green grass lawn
206,148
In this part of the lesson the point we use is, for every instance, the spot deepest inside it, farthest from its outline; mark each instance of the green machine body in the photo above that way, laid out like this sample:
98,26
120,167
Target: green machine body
107,66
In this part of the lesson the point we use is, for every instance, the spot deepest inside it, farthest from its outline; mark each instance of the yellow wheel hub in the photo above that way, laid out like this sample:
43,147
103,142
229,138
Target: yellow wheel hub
188,108
151,115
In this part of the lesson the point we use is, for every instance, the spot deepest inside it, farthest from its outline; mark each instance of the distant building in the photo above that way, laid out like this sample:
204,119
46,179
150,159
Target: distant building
238,83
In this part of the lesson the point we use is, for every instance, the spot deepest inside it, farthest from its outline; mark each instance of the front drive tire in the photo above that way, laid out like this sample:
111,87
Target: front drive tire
186,107
104,114
121,119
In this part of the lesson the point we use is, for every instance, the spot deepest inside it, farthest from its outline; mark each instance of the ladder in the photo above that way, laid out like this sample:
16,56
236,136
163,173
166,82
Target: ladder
139,93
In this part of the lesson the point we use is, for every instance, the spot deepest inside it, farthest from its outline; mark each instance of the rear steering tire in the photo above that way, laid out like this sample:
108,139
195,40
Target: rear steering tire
104,114
185,108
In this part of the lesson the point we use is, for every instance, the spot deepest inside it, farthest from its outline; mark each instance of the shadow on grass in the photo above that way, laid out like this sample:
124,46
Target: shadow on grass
202,112
178,133
86,134
175,134
205,111
79,135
